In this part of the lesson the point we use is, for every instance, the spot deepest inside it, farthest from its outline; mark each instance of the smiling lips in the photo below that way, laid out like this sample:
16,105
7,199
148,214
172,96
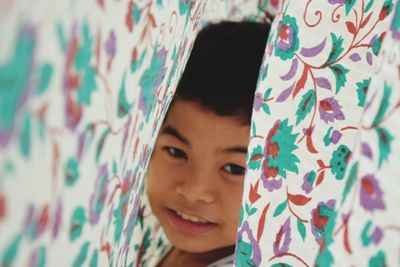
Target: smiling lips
188,223
191,218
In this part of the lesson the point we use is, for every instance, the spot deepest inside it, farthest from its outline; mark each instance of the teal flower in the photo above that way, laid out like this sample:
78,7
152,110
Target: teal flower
320,217
379,260
78,220
247,253
71,171
151,80
340,159
287,41
362,89
279,157
14,83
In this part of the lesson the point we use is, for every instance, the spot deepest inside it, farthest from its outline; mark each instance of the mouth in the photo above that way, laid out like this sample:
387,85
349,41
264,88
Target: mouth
189,223
191,218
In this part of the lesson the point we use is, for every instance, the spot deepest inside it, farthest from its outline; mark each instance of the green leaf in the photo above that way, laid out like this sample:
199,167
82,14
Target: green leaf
336,50
95,258
81,257
123,105
379,260
252,211
11,252
77,223
136,13
266,109
101,142
247,208
267,93
281,207
264,75
368,6
302,229
349,5
305,106
255,158
265,106
25,138
362,88
351,178
281,264
340,74
327,137
365,238
46,73
253,129
384,140
384,105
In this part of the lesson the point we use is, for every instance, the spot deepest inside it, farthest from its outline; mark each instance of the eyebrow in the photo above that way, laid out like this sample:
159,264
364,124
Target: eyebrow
169,130
236,149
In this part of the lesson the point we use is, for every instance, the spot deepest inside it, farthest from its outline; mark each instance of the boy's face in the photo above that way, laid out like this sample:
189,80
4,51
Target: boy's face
195,177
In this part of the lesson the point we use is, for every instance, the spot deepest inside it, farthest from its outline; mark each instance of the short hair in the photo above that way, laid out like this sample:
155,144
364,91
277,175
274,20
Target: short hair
222,71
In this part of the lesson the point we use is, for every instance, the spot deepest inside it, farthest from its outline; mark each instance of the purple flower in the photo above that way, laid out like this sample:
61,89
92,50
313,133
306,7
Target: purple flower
320,218
335,137
287,41
329,110
308,181
245,251
258,100
377,235
371,195
333,2
282,238
98,198
110,45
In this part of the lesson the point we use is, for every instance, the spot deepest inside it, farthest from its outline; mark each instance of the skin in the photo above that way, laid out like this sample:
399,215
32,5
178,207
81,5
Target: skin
197,168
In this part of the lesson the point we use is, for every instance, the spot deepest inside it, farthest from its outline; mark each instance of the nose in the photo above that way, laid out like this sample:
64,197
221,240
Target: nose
198,186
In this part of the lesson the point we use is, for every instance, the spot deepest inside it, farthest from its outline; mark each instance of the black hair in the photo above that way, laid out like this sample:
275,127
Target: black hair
222,70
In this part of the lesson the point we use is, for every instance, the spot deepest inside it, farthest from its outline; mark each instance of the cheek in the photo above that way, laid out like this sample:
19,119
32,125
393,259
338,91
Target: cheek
233,202
160,176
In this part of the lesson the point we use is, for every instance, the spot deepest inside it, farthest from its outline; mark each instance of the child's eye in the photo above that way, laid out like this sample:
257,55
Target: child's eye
175,152
234,169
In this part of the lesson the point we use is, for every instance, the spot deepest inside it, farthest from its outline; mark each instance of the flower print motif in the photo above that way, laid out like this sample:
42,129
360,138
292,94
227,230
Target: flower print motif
320,217
98,198
362,90
333,2
14,80
335,137
386,9
330,109
282,239
395,26
71,171
278,155
340,159
371,195
379,260
308,181
368,236
150,81
247,253
287,41
258,101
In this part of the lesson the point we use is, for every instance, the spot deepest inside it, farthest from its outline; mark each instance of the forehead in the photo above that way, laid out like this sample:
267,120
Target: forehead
193,121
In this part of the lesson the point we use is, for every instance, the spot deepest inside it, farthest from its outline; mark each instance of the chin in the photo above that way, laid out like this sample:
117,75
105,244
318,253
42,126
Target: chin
192,245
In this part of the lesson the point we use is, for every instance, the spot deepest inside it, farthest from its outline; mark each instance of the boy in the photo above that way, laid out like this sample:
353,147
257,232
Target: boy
196,173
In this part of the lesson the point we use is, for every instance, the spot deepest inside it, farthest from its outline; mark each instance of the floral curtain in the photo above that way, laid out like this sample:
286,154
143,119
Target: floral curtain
84,87
320,188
